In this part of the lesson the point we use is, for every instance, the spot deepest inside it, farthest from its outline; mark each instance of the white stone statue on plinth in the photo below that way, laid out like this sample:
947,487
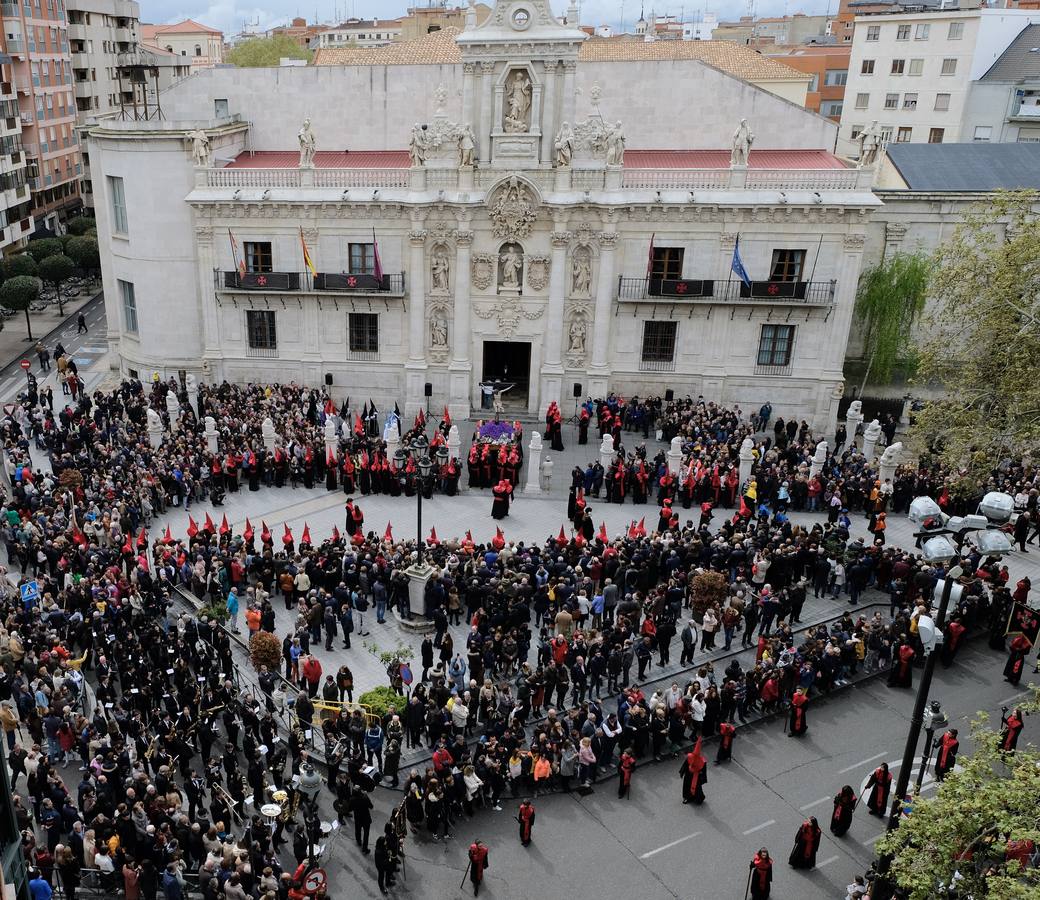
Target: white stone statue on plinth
547,467
155,428
870,142
308,146
675,456
200,149
331,438
173,409
191,387
533,485
454,446
564,146
870,438
818,460
211,435
853,419
606,451
747,461
743,138
467,146
268,432
890,462
615,145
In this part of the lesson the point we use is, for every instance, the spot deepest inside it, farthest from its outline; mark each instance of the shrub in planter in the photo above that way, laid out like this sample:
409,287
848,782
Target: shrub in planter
217,612
265,650
380,699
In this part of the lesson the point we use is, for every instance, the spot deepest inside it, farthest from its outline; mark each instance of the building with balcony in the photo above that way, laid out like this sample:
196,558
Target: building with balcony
1003,106
37,40
358,33
203,46
16,219
914,72
543,226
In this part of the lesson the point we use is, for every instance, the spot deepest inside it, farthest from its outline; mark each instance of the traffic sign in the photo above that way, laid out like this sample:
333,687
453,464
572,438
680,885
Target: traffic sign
30,592
25,364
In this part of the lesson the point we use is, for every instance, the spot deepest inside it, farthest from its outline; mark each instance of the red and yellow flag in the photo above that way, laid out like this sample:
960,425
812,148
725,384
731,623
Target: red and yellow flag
307,261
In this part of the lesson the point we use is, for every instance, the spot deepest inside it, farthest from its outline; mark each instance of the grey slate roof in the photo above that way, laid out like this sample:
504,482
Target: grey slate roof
976,166
1021,60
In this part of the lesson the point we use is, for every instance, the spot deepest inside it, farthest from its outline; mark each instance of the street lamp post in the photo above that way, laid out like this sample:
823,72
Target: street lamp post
937,548
309,787
934,719
419,451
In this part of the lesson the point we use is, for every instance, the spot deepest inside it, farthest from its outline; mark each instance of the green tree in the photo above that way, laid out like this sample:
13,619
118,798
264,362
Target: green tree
20,292
889,301
267,51
966,826
57,269
83,251
982,343
80,225
22,264
41,248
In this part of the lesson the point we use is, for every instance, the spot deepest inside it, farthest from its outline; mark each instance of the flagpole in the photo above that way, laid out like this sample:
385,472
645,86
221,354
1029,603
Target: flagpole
819,247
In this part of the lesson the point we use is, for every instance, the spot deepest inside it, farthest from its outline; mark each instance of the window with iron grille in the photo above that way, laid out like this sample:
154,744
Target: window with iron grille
667,263
775,345
258,256
659,341
362,259
364,332
260,328
787,265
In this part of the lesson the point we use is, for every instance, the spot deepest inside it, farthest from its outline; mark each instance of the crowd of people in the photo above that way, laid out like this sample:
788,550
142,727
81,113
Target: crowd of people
552,688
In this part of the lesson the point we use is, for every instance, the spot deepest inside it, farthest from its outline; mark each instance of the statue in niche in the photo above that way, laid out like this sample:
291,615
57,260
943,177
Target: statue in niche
743,138
440,270
615,145
438,331
518,102
576,337
581,273
308,145
510,267
467,146
564,145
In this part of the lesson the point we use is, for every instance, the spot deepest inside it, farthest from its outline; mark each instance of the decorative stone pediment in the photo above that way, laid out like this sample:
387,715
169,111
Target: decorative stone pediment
513,207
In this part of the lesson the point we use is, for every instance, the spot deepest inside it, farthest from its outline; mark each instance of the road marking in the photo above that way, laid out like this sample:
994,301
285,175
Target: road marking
862,762
875,838
669,846
814,803
759,827
827,861
1008,700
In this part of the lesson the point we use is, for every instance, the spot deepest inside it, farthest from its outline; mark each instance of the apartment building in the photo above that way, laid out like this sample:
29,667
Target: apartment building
828,64
912,72
754,32
103,34
37,41
359,33
1004,104
16,219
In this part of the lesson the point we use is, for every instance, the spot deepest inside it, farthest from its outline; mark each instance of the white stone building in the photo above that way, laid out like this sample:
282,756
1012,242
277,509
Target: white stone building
913,72
518,238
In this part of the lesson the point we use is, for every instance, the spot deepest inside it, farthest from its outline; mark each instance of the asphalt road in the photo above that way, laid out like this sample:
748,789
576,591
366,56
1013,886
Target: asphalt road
651,846
85,349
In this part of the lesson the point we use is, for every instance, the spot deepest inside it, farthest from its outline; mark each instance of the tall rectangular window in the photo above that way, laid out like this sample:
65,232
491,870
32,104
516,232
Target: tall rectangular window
775,345
126,293
258,256
873,32
916,66
362,259
115,191
909,101
787,265
260,329
891,101
903,135
898,66
667,263
935,135
363,332
658,343
836,77
949,66
956,31
942,102
862,101
867,67
921,34
983,133
903,33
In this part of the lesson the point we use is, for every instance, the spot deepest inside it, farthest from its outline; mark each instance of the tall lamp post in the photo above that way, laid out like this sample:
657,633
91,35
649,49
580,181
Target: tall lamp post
934,719
938,548
418,450
309,787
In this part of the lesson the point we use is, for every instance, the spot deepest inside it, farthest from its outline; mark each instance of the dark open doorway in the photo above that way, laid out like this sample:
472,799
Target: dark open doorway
509,362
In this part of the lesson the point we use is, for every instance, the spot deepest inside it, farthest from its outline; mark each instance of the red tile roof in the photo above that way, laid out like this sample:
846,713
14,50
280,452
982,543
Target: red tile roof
719,159
324,159
188,26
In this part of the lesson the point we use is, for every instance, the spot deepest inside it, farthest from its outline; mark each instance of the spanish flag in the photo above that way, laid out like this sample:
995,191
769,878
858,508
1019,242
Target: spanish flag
307,261
240,264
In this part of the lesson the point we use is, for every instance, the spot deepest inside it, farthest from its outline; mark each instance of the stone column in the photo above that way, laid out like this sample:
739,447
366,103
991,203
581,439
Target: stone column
461,368
548,112
833,355
487,71
547,470
894,234
191,386
454,446
331,438
674,456
415,367
207,300
211,435
173,409
606,453
269,434
417,578
393,442
852,422
747,460
534,456
552,367
870,438
599,374
155,433
819,458
468,76
569,67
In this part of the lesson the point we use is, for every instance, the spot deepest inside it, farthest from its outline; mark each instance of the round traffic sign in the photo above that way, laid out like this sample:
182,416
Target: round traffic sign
315,881
25,364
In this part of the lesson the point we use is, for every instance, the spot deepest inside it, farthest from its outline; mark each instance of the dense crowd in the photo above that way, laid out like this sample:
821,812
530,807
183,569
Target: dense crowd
552,687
